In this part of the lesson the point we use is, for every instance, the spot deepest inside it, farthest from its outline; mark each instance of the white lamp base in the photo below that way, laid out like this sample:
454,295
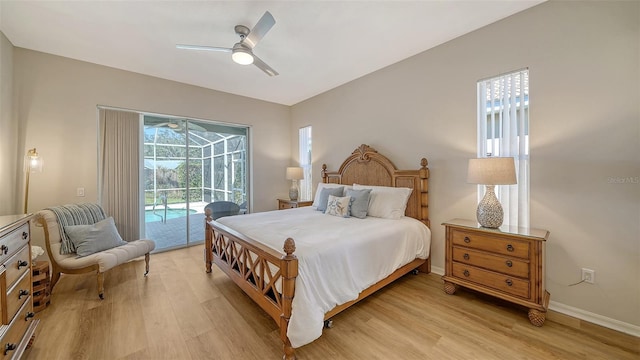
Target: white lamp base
489,212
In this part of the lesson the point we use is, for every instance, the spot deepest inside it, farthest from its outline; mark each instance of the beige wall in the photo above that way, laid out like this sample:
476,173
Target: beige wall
8,132
57,102
585,130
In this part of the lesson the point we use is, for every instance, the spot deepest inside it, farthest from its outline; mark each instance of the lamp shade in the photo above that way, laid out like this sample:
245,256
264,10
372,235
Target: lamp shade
295,173
492,171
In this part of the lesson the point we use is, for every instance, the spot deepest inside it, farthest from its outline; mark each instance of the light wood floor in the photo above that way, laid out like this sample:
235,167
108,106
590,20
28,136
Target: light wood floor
180,312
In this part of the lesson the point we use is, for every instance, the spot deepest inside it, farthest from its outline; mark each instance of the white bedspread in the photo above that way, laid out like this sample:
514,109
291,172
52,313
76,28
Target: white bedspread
337,257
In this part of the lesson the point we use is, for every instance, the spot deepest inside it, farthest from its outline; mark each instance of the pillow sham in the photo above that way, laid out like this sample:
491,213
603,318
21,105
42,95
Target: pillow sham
338,206
90,239
360,202
386,202
324,196
324,186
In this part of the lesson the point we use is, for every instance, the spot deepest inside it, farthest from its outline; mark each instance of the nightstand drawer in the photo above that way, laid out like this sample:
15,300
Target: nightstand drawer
509,247
288,205
493,280
509,266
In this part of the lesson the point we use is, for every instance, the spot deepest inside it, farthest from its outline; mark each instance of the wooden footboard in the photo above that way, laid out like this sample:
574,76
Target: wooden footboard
262,273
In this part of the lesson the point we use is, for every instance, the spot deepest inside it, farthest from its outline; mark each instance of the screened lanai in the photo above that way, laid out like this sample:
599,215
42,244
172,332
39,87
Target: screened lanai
187,165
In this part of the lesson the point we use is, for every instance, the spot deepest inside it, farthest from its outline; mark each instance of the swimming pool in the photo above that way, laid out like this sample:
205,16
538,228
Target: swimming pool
149,215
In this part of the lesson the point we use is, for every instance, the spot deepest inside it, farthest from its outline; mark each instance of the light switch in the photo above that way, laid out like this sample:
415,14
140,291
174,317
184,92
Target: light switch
80,191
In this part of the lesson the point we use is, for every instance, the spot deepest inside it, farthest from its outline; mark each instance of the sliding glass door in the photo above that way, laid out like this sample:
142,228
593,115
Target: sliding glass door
189,165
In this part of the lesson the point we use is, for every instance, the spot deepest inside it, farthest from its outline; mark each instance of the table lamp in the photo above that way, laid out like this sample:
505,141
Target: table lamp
491,171
294,174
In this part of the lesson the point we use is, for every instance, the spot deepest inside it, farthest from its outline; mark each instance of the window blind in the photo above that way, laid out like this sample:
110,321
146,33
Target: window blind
503,130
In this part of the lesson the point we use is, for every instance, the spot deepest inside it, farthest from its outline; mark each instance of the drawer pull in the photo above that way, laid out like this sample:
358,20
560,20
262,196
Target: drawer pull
467,240
509,263
25,235
9,347
29,315
4,249
509,282
23,293
22,263
466,273
466,256
510,248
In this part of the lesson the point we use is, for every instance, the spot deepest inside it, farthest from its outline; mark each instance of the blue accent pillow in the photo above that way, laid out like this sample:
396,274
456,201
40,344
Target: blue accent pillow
90,239
324,196
360,202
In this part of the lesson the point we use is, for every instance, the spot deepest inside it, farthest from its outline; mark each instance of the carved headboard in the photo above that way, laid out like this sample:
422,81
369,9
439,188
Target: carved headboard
366,166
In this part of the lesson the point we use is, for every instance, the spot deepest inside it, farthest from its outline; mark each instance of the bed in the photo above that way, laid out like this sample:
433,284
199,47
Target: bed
247,249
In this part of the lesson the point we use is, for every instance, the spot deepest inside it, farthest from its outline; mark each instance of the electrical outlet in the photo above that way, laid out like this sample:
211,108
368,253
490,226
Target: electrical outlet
80,191
588,276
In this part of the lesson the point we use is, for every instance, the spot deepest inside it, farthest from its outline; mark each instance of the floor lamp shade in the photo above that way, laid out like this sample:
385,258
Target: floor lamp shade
32,163
491,171
294,174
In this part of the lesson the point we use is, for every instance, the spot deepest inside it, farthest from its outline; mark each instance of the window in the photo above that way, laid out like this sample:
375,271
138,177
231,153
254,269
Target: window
306,184
503,130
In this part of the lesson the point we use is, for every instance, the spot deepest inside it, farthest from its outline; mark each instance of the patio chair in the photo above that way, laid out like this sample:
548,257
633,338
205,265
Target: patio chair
223,208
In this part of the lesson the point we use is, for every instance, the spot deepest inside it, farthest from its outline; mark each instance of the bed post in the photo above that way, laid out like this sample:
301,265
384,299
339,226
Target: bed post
325,177
208,240
424,206
289,269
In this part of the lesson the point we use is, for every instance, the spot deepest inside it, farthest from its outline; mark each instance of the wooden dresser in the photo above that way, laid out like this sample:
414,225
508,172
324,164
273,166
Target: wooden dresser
507,263
16,303
292,204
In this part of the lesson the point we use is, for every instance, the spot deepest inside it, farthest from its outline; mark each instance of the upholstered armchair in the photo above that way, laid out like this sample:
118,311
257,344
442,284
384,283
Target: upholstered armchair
80,238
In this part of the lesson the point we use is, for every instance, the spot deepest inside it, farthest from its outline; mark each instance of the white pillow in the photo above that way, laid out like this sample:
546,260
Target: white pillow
327,185
338,206
386,202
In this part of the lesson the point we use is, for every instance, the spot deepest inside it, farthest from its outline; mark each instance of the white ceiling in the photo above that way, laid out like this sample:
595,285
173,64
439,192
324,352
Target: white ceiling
314,45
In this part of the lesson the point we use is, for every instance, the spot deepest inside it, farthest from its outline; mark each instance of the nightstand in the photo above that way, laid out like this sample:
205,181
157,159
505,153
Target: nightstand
507,263
292,204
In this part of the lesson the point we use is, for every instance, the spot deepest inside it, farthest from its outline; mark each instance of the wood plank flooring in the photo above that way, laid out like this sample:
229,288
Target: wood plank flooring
180,312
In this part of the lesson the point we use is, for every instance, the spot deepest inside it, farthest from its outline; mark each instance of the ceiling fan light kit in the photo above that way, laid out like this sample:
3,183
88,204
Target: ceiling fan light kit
242,52
241,55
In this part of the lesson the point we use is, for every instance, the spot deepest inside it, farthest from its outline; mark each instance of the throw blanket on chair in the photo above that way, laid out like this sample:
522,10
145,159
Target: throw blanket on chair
75,214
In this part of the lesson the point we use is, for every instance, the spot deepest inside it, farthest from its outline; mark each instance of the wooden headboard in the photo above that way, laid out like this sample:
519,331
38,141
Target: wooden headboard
366,166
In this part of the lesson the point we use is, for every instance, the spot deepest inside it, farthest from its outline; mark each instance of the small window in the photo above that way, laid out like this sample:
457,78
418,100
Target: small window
503,130
306,184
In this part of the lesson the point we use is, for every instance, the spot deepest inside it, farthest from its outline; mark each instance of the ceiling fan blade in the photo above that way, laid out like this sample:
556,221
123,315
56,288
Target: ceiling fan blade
202,48
195,127
160,125
263,26
263,66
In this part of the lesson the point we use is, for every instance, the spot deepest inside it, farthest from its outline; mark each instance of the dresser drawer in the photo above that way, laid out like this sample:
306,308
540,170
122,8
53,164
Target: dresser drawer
505,265
17,265
509,247
501,282
18,295
13,242
9,344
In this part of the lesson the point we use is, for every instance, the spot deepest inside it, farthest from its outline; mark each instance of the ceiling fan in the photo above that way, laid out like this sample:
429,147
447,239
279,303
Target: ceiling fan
179,126
242,51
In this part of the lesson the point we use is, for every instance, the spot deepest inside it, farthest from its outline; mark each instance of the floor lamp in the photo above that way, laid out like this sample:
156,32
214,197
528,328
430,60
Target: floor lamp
32,163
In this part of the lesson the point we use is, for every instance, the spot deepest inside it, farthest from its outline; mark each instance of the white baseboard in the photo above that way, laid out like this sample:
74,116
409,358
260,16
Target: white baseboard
595,318
437,270
580,314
